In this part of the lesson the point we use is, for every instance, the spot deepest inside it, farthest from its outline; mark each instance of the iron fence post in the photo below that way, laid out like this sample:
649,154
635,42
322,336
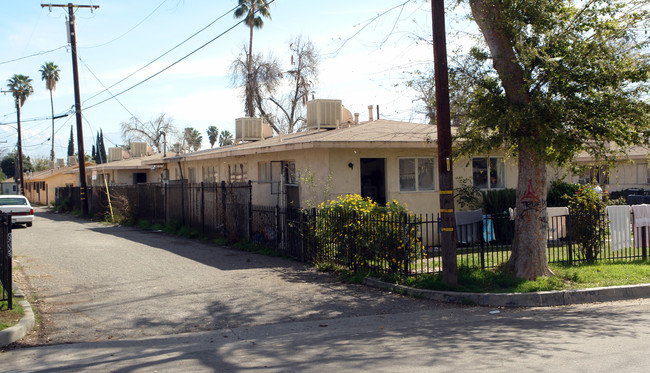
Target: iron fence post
182,203
353,252
569,238
644,243
250,208
277,226
311,234
10,285
202,208
407,242
481,241
223,208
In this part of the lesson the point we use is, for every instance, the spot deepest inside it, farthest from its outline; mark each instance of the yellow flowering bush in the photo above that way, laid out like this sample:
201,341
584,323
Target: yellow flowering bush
359,232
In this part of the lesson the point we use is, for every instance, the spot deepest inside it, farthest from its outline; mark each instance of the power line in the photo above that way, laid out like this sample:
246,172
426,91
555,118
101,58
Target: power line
162,55
173,64
131,29
67,113
106,89
33,55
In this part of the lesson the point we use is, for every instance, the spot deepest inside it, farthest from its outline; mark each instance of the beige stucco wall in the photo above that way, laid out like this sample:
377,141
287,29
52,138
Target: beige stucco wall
52,182
629,175
313,166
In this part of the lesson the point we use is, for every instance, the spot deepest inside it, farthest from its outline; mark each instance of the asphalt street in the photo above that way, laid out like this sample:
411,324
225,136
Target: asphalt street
119,299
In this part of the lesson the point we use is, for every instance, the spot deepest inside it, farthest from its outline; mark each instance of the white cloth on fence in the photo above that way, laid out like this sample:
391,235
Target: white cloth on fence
466,228
641,219
619,226
556,222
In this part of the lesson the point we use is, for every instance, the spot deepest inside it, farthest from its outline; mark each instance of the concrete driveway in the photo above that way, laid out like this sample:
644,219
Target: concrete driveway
94,282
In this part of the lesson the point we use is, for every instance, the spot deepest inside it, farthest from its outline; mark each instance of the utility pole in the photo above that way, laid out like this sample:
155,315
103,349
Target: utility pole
19,146
77,99
443,123
20,149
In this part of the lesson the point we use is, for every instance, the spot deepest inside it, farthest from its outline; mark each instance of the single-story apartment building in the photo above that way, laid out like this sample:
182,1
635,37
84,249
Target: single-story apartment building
382,159
40,187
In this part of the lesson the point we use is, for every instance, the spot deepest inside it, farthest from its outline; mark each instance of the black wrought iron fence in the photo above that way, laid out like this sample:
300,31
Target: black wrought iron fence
6,277
389,243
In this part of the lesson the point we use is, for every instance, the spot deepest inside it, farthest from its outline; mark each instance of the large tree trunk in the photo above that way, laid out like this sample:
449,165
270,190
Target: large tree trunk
528,259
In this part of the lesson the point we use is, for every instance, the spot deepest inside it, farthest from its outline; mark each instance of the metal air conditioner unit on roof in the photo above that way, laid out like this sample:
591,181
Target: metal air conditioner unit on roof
138,149
323,113
252,129
72,160
115,154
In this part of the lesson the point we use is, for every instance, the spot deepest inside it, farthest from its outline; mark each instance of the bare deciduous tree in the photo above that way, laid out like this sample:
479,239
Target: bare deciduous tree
265,76
280,95
150,132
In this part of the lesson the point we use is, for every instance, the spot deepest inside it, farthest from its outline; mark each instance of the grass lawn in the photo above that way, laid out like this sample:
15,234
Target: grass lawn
566,277
9,318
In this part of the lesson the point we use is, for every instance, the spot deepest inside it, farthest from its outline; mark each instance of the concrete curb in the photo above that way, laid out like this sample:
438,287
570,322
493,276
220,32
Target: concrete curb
26,323
537,299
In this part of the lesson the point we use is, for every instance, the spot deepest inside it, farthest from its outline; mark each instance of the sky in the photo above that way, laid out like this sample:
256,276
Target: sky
364,60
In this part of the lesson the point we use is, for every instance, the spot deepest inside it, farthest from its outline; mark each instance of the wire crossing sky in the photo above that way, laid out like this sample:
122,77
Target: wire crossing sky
174,57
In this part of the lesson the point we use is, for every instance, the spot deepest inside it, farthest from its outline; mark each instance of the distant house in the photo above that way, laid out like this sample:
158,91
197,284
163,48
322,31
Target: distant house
136,170
8,186
138,165
630,172
40,187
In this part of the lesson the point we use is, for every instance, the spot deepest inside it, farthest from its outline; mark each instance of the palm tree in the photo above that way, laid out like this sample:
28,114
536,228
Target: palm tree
192,138
252,11
225,138
213,135
20,87
50,74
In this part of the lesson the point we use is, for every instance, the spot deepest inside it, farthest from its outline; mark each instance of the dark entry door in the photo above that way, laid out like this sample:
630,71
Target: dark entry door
373,179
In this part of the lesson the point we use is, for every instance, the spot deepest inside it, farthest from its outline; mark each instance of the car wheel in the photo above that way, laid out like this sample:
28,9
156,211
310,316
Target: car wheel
28,224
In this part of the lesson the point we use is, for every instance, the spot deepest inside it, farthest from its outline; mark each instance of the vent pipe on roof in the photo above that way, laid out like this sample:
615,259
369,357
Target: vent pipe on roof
356,118
370,113
377,112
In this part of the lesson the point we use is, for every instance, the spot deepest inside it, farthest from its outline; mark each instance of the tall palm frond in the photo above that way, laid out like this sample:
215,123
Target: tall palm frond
20,87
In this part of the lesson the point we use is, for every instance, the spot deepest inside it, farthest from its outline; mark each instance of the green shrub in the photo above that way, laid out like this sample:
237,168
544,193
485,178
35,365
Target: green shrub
220,241
560,192
172,227
466,194
499,200
63,205
157,227
186,231
363,233
143,224
588,221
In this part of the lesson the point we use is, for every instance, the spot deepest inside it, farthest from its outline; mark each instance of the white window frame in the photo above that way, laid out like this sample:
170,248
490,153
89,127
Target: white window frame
488,183
264,172
417,186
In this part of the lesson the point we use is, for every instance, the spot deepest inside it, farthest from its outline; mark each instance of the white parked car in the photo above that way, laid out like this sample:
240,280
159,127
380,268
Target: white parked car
19,207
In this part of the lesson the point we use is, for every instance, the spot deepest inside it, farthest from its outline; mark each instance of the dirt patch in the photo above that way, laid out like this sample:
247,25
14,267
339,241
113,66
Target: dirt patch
36,336
8,317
